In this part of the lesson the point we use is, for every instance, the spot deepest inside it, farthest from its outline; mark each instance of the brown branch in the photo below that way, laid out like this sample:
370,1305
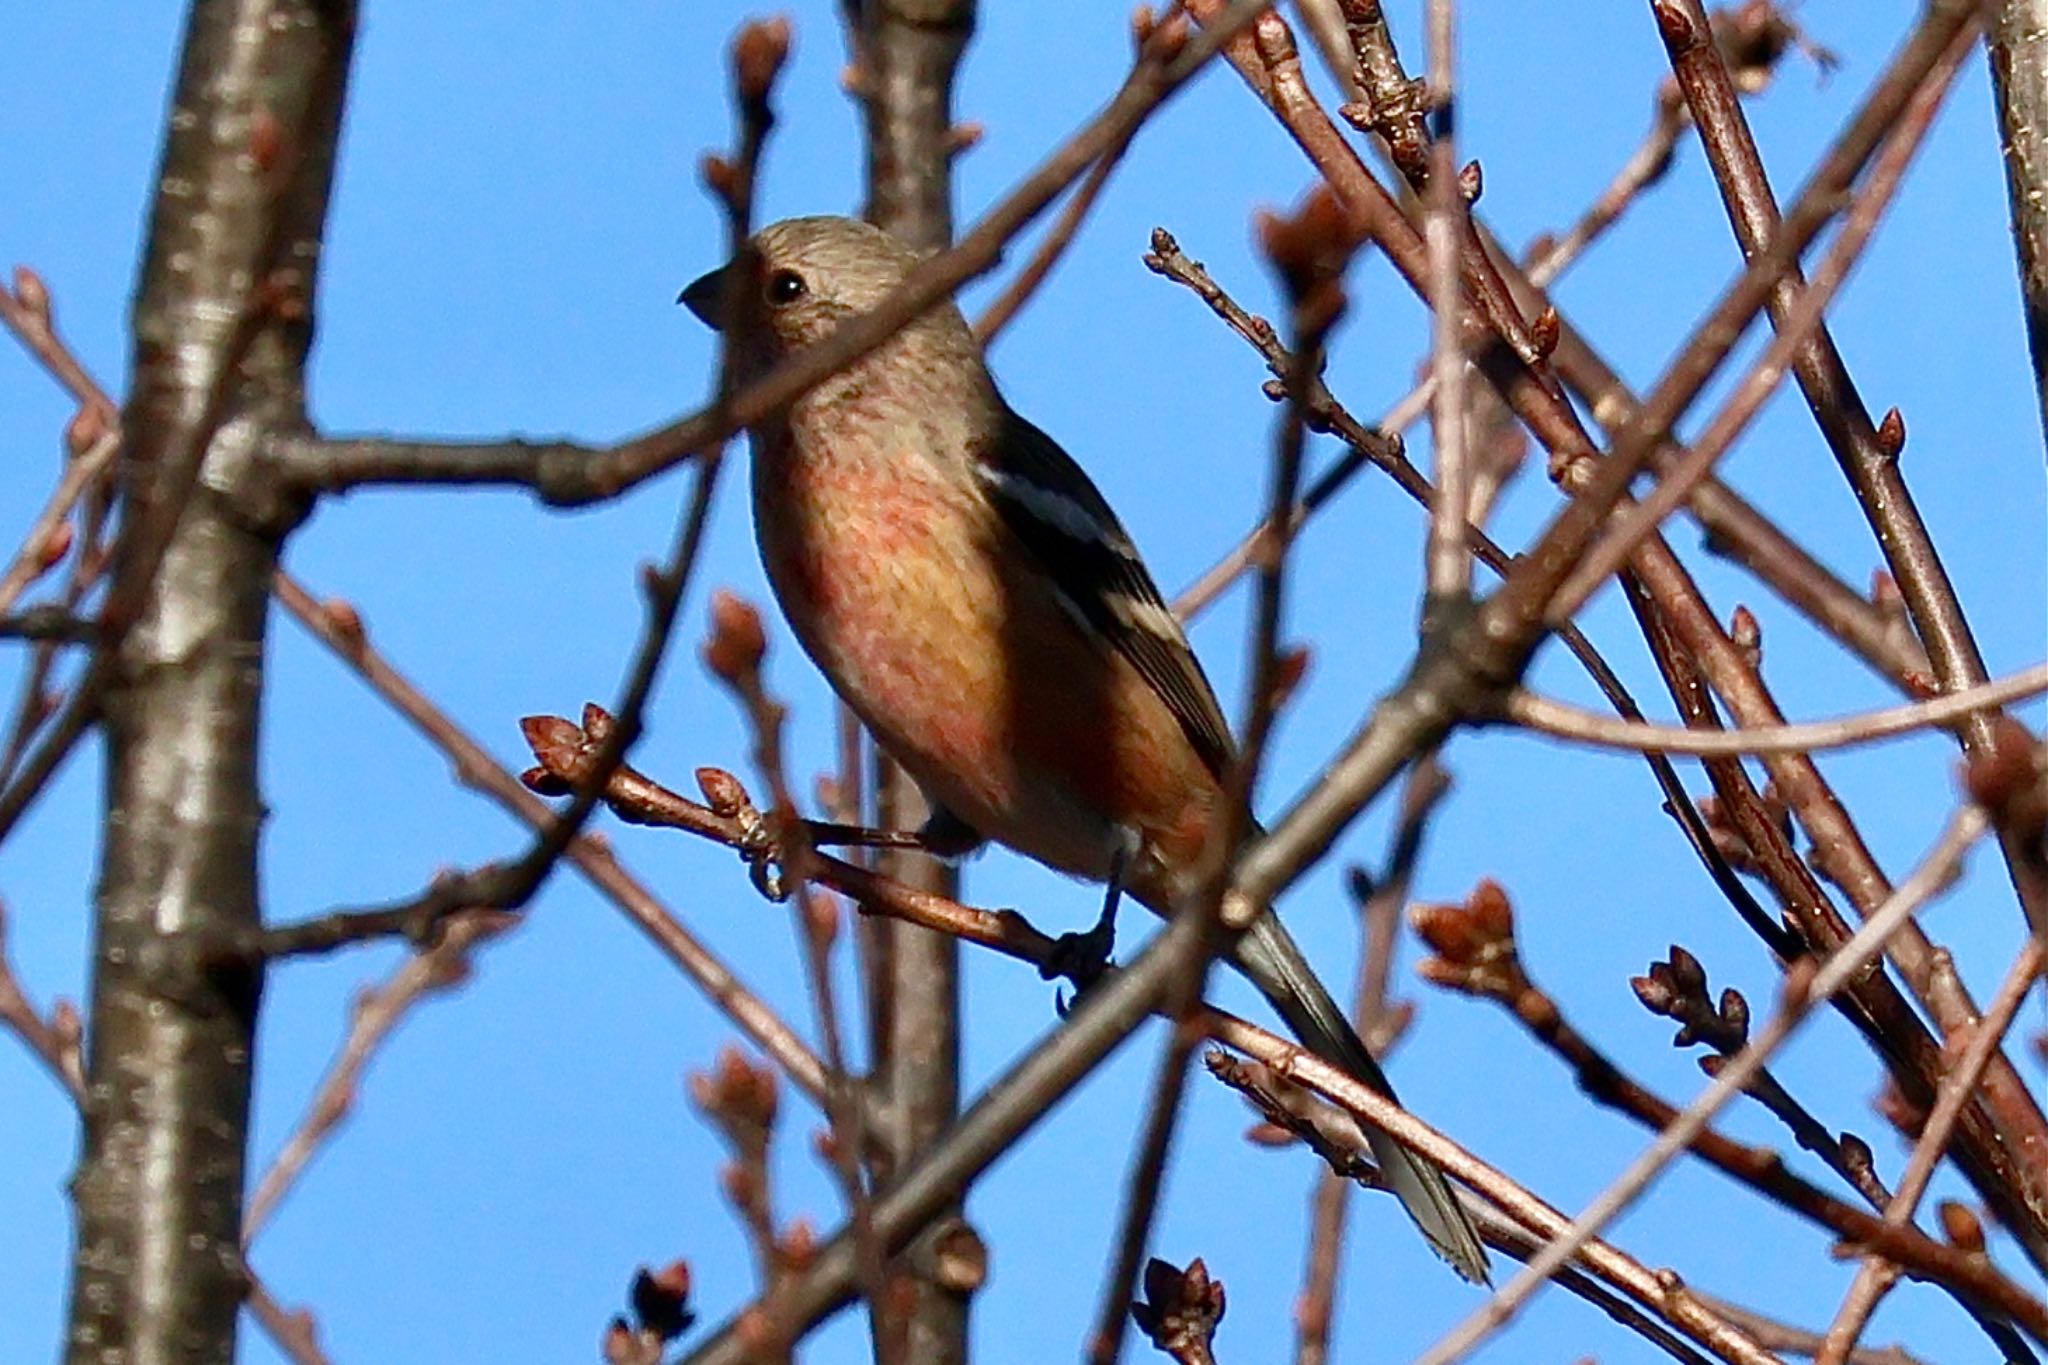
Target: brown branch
637,799
28,313
904,59
1676,988
1797,327
1101,1019
1393,110
1868,460
1787,1339
1309,249
2019,74
1446,227
1385,452
739,1098
758,53
45,538
221,325
1733,526
1874,1005
1447,685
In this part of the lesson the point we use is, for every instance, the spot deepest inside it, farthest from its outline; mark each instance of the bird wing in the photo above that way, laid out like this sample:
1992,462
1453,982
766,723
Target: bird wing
1051,505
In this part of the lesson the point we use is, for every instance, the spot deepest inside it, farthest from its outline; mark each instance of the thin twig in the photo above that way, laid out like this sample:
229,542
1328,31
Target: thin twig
563,474
341,629
1477,954
1876,1275
1565,721
1797,327
30,562
1805,987
1379,1024
377,1012
1444,229
294,1330
735,653
55,1040
636,798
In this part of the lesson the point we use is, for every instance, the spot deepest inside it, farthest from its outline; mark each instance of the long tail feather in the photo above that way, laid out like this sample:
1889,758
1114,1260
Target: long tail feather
1268,956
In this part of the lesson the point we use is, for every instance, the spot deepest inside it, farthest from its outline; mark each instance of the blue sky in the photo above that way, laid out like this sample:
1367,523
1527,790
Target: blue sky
515,212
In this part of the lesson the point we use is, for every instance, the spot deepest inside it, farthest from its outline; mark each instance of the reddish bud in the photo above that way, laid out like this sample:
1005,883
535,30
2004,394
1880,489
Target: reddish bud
55,545
85,429
661,1300
266,139
1962,1227
32,294
1291,667
719,176
737,643
1675,26
1311,245
2006,778
1747,635
1447,929
1180,1309
741,1185
1269,1134
758,55
1899,1109
1491,911
821,919
554,741
346,622
744,1089
722,792
798,1245
1471,182
621,1345
1891,434
67,1024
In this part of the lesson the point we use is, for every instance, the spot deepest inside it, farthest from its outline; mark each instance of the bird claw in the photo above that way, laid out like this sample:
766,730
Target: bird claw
1084,958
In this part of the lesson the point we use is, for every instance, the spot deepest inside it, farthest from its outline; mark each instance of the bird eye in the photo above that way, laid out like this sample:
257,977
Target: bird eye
785,287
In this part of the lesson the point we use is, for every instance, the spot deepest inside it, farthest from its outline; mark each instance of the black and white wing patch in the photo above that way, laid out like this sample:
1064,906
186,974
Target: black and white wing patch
1056,510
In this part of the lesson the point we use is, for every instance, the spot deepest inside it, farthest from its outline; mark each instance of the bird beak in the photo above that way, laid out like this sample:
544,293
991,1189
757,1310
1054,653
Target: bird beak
706,298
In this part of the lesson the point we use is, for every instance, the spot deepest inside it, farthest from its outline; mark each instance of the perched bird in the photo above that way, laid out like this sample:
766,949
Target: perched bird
968,592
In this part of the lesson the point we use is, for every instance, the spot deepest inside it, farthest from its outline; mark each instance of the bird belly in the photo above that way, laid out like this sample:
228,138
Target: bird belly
918,609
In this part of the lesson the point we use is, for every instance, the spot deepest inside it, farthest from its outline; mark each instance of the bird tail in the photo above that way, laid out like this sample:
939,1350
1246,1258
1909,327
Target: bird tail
1268,956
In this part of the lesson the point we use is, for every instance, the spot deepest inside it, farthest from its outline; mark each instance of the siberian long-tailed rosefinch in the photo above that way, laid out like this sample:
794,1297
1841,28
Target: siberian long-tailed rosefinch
971,596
